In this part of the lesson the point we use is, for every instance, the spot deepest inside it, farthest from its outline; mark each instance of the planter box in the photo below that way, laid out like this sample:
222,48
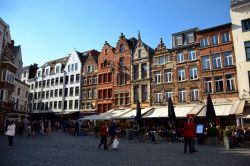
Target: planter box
228,142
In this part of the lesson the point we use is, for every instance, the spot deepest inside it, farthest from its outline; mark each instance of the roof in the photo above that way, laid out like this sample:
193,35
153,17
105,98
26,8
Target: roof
227,25
52,63
185,31
235,3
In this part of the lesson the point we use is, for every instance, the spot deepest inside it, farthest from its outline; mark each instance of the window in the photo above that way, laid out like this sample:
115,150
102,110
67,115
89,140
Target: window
56,92
182,96
90,81
228,59
216,61
208,85
51,93
84,94
205,63
136,72
247,48
225,37
162,60
71,91
18,91
46,72
203,42
57,69
180,57
193,72
77,78
181,74
60,92
230,82
139,53
191,55
190,38
72,79
121,61
85,82
52,81
90,93
50,105
68,68
169,94
214,40
122,48
179,40
144,69
55,104
136,93
245,25
144,90
76,91
109,77
72,67
59,104
76,66
194,94
61,80
167,58
218,84
157,75
156,60
66,92
90,68
48,83
157,97
168,76
70,104
57,79
76,104
122,78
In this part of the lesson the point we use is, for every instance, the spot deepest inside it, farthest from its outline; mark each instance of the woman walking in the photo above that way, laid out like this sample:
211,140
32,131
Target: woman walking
11,132
189,134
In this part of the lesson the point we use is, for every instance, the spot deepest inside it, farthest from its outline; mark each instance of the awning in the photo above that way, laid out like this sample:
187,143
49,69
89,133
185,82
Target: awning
196,109
157,112
111,114
131,114
225,109
246,117
240,108
183,110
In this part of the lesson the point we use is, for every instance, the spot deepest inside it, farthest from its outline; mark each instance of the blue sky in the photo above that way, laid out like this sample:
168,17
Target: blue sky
50,29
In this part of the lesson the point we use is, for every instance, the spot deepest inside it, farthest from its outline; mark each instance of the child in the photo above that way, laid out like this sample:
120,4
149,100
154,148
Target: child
115,143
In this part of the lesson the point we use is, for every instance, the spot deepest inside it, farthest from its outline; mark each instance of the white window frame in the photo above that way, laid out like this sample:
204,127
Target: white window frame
180,57
182,95
190,36
90,81
208,88
217,83
231,82
191,55
157,75
216,60
169,94
225,35
162,58
206,63
228,57
168,76
157,97
204,42
193,72
214,39
181,74
194,94
179,40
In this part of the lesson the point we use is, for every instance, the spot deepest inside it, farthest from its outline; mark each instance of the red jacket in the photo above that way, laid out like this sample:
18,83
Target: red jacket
104,130
189,130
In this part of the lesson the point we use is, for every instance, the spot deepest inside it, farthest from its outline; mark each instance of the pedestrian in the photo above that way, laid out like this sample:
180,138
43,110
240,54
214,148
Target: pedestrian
112,132
49,128
11,132
189,134
103,134
115,143
76,133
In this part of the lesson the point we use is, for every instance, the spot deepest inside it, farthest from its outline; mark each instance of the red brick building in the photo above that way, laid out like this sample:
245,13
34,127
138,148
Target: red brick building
105,78
89,82
218,69
122,71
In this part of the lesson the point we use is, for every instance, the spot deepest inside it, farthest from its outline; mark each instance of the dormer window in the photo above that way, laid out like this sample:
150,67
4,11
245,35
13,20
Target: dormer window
190,38
47,72
122,48
179,40
57,69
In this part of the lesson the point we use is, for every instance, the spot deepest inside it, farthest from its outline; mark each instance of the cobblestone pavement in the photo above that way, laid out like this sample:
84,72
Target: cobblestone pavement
64,150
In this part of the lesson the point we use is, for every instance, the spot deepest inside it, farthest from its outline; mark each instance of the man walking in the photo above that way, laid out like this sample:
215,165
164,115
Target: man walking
104,134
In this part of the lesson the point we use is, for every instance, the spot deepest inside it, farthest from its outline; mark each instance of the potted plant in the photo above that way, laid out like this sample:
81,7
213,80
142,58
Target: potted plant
228,142
212,132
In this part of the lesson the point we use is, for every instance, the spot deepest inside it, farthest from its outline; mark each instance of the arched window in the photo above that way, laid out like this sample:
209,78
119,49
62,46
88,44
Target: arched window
122,48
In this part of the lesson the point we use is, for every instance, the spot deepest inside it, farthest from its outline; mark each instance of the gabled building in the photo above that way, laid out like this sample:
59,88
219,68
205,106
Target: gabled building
105,78
162,85
7,70
122,72
140,73
89,82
